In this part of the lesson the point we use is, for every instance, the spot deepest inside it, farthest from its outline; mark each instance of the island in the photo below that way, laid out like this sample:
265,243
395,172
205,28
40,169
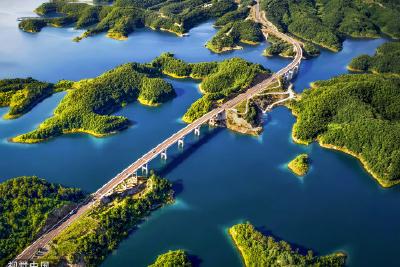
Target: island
125,16
21,95
92,236
357,114
176,258
327,23
300,165
28,207
88,105
257,249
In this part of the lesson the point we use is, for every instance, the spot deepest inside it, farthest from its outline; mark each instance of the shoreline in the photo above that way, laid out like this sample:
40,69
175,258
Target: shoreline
73,131
381,182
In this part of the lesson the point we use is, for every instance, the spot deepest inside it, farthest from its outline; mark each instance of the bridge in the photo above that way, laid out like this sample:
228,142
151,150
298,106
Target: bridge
141,165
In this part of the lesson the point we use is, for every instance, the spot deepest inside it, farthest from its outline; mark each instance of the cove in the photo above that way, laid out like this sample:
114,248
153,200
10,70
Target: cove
223,178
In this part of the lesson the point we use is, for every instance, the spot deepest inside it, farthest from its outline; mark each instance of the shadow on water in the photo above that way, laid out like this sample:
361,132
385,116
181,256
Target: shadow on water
195,260
177,186
192,147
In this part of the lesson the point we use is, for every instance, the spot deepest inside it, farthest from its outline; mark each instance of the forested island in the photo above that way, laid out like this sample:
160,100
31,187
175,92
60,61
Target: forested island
176,258
89,103
358,114
28,206
21,95
300,165
328,22
260,250
125,16
90,238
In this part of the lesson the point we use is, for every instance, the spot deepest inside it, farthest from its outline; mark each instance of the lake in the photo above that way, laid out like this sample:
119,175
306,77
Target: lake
221,178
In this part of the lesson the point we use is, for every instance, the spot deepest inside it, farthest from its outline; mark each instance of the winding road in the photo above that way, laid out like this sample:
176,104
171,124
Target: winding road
268,28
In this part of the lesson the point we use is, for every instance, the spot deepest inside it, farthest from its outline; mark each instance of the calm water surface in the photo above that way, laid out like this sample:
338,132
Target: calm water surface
222,178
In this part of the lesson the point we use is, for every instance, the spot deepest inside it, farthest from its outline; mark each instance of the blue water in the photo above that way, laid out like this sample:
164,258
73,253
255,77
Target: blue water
222,178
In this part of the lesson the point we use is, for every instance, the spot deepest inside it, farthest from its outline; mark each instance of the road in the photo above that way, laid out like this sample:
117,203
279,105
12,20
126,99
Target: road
30,251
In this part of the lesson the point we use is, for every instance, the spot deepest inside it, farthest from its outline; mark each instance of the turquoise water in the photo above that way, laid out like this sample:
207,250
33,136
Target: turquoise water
222,178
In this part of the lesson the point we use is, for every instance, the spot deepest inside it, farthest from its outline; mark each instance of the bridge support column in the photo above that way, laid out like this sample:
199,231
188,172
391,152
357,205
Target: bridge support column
181,143
197,131
164,155
145,170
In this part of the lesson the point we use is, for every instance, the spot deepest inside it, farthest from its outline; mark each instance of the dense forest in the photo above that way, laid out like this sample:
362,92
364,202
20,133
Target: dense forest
359,114
385,60
26,203
21,95
328,22
124,16
300,164
89,103
96,233
260,250
220,80
176,258
230,35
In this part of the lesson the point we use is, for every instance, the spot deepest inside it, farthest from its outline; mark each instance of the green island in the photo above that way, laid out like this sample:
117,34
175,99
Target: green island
175,258
257,249
89,103
125,16
385,60
281,48
357,114
328,22
233,33
21,95
300,165
90,238
219,80
28,207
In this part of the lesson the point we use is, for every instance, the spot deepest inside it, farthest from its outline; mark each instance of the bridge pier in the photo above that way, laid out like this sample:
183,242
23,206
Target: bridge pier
145,169
197,131
181,143
164,154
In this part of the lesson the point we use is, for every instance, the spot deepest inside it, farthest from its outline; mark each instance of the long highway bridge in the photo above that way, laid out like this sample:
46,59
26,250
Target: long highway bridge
177,138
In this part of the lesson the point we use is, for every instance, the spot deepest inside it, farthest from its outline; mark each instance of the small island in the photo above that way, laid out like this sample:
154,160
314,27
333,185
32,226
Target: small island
176,258
257,249
28,207
300,165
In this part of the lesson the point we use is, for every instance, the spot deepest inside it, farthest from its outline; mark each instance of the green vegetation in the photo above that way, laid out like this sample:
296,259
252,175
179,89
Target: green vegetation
90,238
26,205
125,16
328,22
299,165
259,250
385,60
21,95
358,114
230,35
220,80
278,47
32,25
89,103
176,258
